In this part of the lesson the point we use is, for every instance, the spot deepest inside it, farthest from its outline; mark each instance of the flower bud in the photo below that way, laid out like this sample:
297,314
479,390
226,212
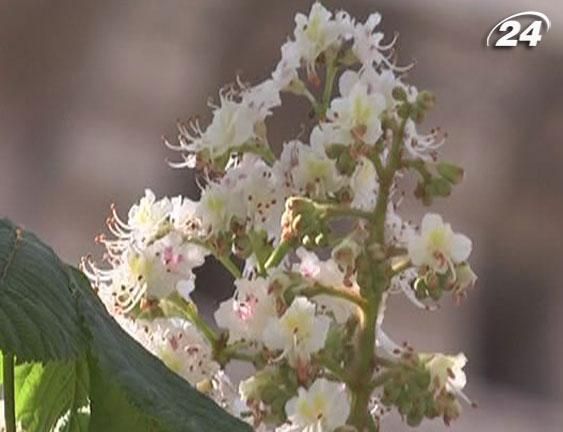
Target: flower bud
465,278
450,172
399,94
345,164
439,187
425,100
404,110
297,87
335,150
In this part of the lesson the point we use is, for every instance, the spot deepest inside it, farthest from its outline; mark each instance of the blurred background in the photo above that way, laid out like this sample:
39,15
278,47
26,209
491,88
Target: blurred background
87,89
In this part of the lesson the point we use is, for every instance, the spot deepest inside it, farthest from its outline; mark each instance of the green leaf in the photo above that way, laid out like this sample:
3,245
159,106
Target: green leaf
45,392
139,378
75,422
112,412
38,317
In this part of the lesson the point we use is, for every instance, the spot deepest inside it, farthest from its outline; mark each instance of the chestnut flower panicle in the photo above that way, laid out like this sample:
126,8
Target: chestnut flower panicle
313,238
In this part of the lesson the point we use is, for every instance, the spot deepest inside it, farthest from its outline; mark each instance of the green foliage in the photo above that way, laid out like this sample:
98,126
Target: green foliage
72,355
112,412
38,317
47,392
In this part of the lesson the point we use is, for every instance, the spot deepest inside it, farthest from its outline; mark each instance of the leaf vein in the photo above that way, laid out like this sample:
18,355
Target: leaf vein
18,234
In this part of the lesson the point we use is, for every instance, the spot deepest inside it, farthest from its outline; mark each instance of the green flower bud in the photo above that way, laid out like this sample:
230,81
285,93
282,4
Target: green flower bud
415,416
404,110
450,172
417,114
335,150
422,379
297,87
345,164
399,94
440,187
425,100
348,58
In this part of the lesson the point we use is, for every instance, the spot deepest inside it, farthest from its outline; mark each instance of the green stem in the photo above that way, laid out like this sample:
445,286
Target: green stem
233,352
319,289
344,211
379,169
373,282
331,71
420,166
9,393
312,99
229,265
278,254
258,249
386,181
264,151
223,259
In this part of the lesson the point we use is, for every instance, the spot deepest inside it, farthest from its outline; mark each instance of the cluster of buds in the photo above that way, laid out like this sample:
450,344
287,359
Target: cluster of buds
425,386
312,238
304,222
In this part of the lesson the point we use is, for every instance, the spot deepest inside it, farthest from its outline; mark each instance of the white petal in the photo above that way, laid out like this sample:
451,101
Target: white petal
431,221
185,287
273,336
417,250
319,333
347,81
461,248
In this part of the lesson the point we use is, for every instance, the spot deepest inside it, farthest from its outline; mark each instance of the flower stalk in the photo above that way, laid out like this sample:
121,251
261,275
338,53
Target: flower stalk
9,392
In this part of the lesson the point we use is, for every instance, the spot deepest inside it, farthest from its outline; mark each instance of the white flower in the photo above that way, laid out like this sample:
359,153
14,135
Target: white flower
316,32
368,44
217,206
323,407
356,112
147,217
151,256
308,171
177,343
437,246
328,274
262,98
246,314
250,191
419,146
446,372
364,185
382,82
298,333
232,125
259,191
286,70
149,272
182,215
181,347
